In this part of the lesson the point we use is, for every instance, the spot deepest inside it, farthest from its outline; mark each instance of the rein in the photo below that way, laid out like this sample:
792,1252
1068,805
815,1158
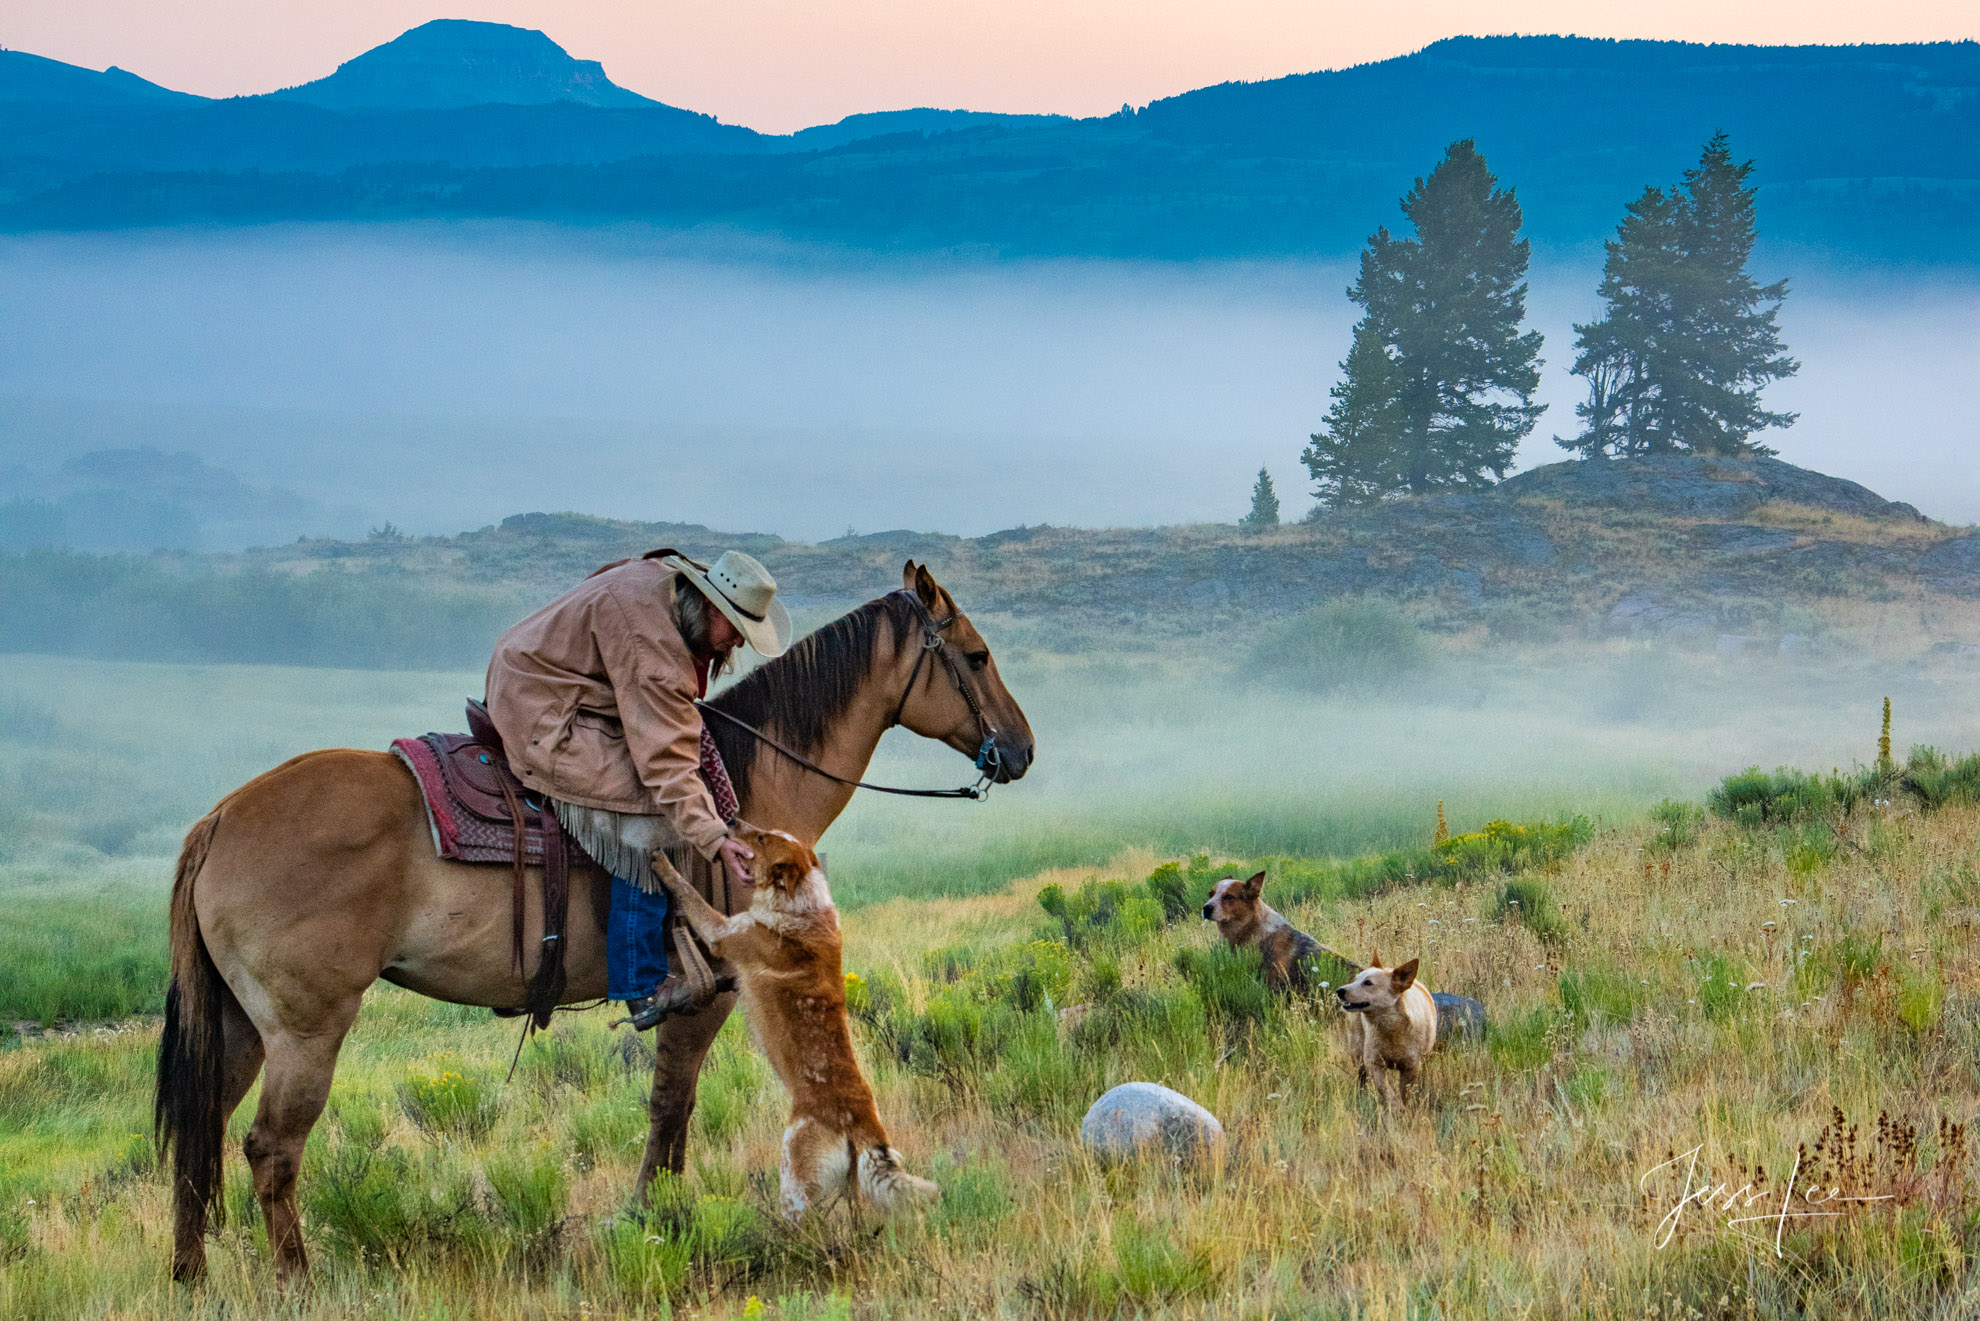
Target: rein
988,760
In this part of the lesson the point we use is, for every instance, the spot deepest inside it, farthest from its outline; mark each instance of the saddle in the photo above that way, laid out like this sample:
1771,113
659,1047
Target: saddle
480,812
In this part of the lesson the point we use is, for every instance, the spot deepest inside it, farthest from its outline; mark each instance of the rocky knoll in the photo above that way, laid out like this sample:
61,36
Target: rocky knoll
1699,486
1671,545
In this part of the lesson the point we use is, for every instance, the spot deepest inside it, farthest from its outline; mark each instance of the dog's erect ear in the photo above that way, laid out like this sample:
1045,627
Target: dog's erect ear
1253,885
907,576
1404,977
1374,958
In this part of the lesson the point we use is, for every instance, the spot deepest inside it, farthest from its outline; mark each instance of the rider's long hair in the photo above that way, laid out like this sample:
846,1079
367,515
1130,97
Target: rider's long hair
691,611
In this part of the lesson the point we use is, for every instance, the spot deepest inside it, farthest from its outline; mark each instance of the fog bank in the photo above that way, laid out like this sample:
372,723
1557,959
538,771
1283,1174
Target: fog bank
442,377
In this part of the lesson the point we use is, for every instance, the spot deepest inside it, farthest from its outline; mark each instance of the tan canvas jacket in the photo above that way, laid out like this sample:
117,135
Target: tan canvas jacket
594,698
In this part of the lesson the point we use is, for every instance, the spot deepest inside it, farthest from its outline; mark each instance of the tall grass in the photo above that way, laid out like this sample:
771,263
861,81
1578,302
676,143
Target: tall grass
1674,1012
103,765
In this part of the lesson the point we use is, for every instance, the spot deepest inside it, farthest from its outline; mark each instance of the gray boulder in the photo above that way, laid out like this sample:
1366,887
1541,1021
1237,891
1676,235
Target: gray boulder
1458,1016
1141,1117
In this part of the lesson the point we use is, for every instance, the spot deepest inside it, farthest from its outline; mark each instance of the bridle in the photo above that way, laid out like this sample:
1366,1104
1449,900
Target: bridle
989,761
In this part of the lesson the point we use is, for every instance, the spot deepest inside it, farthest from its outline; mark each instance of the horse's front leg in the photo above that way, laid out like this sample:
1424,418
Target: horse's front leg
680,1044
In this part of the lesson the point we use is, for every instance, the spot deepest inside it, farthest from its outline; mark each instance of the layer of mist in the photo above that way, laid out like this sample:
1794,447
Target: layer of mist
105,762
442,377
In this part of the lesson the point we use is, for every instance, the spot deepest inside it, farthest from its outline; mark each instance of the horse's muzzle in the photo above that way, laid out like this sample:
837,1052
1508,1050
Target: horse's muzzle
1013,760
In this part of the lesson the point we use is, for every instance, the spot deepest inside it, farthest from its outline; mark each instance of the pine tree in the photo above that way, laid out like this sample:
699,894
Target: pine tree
1448,304
1264,504
1636,346
1677,362
1355,457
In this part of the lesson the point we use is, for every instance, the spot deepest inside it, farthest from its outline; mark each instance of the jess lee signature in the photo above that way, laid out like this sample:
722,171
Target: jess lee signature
1705,1195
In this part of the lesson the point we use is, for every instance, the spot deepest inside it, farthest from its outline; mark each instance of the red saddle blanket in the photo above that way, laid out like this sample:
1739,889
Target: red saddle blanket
468,787
461,780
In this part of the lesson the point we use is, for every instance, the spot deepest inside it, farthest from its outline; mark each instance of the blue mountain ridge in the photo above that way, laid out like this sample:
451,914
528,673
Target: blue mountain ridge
37,79
1864,152
450,63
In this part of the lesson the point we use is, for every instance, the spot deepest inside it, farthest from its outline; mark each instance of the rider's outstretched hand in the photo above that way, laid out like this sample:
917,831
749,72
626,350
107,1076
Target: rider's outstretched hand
737,855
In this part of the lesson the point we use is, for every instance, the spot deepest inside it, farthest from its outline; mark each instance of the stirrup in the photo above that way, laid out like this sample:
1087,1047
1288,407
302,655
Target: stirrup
672,996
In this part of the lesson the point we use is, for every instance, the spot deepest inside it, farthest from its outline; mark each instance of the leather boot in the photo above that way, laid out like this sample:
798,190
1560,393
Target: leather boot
671,997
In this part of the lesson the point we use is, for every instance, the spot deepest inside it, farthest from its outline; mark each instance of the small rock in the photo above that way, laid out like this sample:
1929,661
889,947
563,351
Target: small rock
1458,1016
1139,1116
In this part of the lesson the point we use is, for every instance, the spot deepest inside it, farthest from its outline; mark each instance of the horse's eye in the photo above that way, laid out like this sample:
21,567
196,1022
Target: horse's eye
977,659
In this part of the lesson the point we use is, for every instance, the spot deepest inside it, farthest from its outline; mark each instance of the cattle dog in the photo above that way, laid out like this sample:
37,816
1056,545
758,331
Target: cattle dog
785,950
1291,956
1397,1022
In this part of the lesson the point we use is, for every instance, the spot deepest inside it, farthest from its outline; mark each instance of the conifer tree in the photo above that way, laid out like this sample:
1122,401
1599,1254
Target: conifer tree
1355,457
1448,304
1264,504
1677,362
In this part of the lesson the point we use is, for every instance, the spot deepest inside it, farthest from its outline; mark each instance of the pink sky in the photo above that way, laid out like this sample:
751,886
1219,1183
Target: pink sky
779,65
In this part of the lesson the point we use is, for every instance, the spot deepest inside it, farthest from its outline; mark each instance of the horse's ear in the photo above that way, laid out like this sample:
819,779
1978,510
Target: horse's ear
926,588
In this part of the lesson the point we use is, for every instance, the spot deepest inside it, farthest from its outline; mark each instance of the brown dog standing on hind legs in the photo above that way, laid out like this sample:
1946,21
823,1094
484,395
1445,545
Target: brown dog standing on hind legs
785,949
1395,1022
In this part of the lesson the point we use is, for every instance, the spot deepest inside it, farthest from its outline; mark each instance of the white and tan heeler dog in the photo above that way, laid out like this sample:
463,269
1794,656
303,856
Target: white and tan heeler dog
785,949
1396,1024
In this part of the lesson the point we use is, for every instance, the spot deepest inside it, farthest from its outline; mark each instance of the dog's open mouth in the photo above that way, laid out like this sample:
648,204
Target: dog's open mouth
1353,1005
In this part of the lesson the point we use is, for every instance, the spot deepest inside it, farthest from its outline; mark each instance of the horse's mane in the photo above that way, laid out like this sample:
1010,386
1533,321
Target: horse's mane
796,698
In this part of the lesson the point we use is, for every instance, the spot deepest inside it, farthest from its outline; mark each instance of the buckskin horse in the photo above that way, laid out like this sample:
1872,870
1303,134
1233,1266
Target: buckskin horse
318,878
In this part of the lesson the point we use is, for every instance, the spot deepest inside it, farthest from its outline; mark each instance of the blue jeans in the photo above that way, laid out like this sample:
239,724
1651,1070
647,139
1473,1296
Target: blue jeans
635,941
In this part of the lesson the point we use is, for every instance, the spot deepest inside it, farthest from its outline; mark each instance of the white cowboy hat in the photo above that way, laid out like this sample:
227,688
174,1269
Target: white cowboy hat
743,590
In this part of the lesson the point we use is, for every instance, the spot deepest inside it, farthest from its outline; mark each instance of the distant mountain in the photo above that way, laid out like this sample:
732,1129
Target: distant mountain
882,123
1864,153
45,146
25,77
450,63
453,93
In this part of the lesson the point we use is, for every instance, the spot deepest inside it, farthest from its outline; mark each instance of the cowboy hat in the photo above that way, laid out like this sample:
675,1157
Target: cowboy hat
743,590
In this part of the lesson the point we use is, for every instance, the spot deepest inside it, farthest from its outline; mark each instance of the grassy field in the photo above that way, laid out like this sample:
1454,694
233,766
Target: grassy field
104,764
1795,985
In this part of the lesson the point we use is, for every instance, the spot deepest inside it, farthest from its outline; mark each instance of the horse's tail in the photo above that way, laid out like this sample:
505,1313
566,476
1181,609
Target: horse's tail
186,1108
